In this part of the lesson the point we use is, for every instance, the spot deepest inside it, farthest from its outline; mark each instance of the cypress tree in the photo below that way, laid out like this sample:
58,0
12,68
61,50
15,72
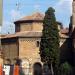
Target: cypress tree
49,45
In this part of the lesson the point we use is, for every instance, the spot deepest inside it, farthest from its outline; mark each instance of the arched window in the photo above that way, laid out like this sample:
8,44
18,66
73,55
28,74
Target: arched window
38,44
37,69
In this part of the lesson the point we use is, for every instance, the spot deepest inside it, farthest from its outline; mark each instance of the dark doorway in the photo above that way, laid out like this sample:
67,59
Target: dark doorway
37,69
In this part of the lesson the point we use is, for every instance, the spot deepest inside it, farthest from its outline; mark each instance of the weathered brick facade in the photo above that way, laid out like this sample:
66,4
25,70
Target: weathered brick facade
25,43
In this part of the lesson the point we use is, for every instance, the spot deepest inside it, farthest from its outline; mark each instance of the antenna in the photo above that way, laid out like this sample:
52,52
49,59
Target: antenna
18,5
13,18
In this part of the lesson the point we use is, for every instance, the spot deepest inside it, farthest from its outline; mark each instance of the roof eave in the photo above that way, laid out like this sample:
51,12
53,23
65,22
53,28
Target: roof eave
27,21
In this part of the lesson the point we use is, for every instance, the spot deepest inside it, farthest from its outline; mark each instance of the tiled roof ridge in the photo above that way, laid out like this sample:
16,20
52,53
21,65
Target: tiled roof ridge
34,16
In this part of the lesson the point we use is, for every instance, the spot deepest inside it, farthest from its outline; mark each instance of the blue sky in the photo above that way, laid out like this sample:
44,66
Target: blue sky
11,12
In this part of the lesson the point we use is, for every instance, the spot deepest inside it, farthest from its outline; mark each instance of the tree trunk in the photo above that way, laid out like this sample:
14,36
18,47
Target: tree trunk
51,68
52,72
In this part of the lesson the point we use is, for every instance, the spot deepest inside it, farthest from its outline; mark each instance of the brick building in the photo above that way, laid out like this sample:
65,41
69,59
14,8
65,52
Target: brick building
25,43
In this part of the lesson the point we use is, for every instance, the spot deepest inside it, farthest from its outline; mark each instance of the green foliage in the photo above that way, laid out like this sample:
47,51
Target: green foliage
65,69
49,46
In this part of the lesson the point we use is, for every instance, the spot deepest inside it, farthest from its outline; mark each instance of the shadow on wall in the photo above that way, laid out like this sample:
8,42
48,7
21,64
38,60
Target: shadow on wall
66,52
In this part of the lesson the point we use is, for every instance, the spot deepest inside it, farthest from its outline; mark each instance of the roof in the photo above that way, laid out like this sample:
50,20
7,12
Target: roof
27,34
35,16
64,31
23,34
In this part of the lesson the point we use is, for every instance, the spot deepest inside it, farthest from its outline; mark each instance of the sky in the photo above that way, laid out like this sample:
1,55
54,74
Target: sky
16,9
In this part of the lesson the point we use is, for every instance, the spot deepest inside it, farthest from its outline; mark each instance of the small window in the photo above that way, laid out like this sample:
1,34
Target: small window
8,61
38,43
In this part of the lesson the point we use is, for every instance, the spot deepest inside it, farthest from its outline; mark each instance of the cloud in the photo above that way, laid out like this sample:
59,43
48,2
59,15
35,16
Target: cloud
63,11
15,14
64,5
37,7
7,27
62,1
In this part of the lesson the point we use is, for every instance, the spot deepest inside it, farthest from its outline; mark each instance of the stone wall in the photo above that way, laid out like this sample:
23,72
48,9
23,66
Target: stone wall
25,27
10,52
29,52
28,49
1,59
73,5
33,26
37,26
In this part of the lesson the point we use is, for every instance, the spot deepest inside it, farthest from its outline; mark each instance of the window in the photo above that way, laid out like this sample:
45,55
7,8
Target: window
38,43
8,61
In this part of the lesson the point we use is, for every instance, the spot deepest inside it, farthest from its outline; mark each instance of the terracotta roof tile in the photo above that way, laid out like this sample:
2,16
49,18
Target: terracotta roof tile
29,34
35,16
64,31
23,34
